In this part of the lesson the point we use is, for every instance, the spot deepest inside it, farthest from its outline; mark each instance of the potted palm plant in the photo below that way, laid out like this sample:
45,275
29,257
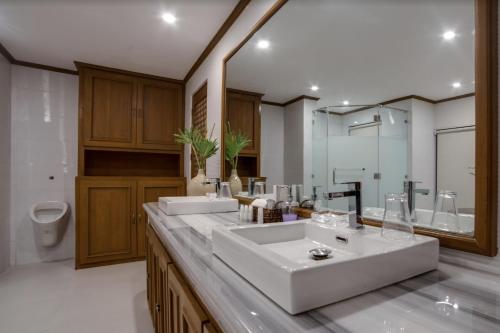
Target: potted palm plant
233,144
203,148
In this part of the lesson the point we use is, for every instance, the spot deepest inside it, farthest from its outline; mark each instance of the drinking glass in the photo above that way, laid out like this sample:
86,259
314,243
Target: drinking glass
259,189
396,224
225,190
445,215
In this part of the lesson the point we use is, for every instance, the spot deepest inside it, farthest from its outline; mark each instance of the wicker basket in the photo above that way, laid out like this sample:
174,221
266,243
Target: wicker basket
270,215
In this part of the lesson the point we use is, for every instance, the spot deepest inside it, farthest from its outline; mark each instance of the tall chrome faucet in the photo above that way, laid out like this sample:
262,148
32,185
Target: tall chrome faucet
354,194
214,181
410,188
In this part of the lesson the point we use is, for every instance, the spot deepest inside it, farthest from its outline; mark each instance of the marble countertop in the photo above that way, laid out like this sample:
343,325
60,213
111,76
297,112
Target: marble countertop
449,299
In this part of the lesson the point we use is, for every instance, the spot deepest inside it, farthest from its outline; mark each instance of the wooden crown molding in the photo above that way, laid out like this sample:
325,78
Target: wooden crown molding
293,100
235,13
79,65
13,61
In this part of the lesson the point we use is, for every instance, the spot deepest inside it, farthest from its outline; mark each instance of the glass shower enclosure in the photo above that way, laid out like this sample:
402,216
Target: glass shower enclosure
360,143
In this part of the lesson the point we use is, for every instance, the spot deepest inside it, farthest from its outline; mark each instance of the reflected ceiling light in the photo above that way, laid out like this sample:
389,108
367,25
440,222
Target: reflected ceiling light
346,102
169,18
314,88
456,84
263,44
449,35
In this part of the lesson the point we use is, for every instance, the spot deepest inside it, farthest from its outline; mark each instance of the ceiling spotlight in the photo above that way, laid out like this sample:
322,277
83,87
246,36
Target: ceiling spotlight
314,88
346,102
449,35
263,44
169,18
456,84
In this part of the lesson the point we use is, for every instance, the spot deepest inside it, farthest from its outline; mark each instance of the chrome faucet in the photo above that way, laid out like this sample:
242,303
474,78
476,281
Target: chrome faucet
409,187
354,194
312,202
216,182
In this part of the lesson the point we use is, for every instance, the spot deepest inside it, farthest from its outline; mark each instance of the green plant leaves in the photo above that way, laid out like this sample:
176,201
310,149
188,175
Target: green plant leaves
233,145
203,147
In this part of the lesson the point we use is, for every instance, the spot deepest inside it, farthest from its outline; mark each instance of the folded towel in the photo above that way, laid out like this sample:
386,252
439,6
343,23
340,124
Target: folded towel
259,203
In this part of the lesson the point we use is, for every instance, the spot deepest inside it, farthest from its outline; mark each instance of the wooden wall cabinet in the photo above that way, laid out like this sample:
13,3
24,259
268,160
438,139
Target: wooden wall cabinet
126,111
127,156
173,306
111,222
242,112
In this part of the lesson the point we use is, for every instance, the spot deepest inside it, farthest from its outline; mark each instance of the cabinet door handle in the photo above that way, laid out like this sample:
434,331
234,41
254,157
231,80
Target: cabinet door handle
133,218
139,218
157,307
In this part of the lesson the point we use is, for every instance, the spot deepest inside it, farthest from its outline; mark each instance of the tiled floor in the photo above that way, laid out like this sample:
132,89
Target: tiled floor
55,298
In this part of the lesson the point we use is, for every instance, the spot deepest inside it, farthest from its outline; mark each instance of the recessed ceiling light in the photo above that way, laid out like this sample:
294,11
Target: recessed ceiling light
314,88
169,18
456,84
263,44
449,35
346,102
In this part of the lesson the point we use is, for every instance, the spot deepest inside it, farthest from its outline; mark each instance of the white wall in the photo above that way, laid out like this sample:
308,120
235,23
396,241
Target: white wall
44,144
422,150
5,83
294,143
272,143
460,112
211,71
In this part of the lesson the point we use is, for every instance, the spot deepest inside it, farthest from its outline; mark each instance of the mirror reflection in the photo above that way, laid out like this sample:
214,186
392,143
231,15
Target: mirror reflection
378,92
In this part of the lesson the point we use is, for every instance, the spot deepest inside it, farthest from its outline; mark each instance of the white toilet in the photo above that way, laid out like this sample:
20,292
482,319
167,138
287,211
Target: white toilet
49,221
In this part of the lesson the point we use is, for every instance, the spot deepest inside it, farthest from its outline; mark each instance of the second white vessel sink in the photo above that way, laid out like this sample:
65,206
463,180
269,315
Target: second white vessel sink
196,205
275,258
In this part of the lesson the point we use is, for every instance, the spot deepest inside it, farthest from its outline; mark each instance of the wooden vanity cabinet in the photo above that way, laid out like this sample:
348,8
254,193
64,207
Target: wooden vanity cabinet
111,223
173,306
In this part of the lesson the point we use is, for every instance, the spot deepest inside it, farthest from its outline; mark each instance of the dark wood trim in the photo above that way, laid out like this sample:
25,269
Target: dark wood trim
45,67
298,98
417,97
454,98
236,12
80,65
10,58
245,92
293,100
14,61
272,103
486,54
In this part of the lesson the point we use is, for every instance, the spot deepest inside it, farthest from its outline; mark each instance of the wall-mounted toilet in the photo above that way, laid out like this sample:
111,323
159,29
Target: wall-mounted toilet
49,221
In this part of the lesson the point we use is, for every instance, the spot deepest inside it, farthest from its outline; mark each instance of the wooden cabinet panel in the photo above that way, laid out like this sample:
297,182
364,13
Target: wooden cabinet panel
160,114
243,115
106,220
161,321
109,102
184,313
149,191
209,328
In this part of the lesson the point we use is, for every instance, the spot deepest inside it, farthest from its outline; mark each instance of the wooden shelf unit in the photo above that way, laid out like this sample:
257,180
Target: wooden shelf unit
127,156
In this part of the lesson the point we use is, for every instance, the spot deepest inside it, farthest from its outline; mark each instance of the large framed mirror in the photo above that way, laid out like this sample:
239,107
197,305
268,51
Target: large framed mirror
398,95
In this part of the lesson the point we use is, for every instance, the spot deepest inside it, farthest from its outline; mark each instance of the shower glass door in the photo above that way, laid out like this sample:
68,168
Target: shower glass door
368,146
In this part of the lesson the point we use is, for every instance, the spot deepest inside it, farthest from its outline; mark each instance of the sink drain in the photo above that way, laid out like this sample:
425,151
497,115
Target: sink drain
320,253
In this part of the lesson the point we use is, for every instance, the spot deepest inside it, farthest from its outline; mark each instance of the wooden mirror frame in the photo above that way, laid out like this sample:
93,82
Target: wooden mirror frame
484,241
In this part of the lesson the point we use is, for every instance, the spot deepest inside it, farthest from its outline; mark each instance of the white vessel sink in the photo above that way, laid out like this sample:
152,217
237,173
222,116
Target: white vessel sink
275,259
196,205
424,219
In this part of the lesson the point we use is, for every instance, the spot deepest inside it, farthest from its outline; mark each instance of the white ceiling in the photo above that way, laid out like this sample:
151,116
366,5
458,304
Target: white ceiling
364,51
123,34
